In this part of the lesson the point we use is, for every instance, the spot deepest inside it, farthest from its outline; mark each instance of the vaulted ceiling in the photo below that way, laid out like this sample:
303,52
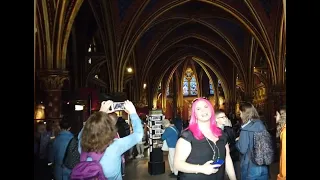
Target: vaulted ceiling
156,35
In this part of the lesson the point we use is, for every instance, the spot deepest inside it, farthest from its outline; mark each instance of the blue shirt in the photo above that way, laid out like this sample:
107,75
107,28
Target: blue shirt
111,160
59,148
170,134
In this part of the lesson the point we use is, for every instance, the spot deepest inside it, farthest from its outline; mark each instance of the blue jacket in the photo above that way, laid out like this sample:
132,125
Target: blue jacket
59,148
245,146
171,135
111,160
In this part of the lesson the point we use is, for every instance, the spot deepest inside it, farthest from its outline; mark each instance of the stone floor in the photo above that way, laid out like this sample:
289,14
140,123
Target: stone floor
137,169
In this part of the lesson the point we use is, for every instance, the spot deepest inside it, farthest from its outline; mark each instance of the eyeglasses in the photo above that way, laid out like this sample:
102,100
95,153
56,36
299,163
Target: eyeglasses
196,99
222,117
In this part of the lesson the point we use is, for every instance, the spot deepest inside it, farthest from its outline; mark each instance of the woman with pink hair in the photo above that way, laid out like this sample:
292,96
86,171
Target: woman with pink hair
202,151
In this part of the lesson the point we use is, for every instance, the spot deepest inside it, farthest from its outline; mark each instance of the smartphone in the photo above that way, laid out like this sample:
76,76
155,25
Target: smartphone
219,161
118,106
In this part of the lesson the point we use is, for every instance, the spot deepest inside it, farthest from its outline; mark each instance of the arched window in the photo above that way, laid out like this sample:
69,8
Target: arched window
211,88
89,49
219,83
189,83
159,88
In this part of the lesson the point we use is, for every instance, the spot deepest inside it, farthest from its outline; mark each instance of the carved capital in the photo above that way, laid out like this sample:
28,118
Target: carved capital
53,80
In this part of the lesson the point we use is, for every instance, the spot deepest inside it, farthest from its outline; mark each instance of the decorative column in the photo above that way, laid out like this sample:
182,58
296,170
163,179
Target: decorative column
174,96
52,81
34,52
233,92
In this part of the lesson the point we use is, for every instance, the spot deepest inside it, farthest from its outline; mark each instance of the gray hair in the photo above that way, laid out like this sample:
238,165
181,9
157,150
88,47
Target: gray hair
166,123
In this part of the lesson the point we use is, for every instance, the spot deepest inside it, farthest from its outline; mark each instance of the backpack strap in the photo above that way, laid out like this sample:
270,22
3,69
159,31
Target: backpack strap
174,130
95,156
65,154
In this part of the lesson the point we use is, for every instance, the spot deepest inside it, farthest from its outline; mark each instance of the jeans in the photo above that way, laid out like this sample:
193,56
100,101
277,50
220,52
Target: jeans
254,172
66,173
140,148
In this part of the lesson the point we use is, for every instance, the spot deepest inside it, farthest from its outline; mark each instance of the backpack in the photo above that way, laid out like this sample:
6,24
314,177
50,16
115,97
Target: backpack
72,156
263,151
88,170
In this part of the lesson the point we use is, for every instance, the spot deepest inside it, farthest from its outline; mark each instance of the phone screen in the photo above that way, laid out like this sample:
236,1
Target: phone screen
118,106
219,161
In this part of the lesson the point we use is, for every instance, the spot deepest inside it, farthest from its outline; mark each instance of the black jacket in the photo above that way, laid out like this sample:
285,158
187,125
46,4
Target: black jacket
123,128
231,139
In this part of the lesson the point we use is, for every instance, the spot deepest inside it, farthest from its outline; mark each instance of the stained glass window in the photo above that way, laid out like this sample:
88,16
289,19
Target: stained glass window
168,91
193,86
189,83
211,88
185,88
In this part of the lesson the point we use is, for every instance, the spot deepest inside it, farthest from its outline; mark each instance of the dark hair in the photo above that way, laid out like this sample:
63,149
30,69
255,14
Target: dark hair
65,123
104,97
283,108
216,112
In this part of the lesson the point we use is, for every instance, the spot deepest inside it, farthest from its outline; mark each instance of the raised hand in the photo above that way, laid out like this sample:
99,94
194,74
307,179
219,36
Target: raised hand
106,106
129,107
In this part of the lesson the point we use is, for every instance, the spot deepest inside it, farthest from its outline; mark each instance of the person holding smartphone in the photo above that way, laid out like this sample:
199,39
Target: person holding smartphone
98,135
202,151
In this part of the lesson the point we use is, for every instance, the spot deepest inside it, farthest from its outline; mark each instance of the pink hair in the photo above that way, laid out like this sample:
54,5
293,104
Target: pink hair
193,125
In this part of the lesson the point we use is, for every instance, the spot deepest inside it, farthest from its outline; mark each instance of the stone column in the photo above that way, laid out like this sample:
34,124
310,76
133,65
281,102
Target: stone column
174,97
52,82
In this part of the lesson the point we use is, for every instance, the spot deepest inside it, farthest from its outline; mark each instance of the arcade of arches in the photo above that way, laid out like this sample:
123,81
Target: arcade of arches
160,54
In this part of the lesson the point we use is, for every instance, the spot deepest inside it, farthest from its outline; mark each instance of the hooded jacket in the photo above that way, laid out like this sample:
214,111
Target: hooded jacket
245,142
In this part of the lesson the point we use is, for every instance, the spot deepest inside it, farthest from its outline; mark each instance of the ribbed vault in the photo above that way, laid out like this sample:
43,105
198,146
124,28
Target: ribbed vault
226,39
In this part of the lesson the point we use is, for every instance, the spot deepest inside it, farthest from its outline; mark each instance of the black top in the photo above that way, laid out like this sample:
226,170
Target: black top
201,152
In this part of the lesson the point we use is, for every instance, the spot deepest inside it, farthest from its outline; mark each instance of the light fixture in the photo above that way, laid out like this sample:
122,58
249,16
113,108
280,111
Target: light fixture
78,107
144,85
129,70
